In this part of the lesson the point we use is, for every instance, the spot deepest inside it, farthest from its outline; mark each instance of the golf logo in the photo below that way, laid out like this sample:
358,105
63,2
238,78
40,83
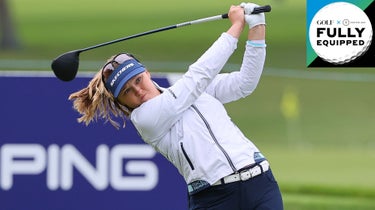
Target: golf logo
340,33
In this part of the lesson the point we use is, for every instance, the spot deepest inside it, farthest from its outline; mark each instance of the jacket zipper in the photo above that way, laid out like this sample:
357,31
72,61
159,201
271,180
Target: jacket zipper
186,156
215,140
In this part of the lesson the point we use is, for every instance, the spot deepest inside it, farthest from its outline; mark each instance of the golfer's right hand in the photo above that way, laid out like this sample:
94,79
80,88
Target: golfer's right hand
252,19
237,18
236,15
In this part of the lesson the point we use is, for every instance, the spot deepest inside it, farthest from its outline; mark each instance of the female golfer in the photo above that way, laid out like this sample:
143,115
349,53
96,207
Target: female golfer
187,122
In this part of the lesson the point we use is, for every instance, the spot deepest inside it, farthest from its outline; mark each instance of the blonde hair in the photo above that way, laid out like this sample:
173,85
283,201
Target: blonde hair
95,101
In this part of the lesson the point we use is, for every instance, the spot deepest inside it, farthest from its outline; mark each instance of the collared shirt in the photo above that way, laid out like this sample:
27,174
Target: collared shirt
188,123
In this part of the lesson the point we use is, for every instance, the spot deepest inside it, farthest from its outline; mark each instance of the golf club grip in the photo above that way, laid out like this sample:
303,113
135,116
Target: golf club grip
265,8
257,10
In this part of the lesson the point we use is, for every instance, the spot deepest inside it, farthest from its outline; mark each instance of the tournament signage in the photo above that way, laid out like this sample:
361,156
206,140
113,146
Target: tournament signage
49,161
340,33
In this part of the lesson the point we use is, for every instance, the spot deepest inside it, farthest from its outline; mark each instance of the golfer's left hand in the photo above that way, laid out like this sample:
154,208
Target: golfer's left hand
253,19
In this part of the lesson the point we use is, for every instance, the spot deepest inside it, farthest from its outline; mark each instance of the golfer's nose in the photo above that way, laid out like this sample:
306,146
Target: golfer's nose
137,90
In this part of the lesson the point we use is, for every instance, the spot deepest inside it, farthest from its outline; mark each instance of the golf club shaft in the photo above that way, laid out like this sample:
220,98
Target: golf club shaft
257,10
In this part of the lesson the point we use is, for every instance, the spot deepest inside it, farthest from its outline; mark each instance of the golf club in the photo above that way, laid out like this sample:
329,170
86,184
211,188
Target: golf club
66,65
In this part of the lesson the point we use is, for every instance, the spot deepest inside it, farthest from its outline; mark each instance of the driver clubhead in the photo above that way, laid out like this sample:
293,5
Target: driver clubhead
66,65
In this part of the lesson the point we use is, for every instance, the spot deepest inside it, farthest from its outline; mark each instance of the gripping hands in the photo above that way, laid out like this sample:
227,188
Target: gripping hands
252,19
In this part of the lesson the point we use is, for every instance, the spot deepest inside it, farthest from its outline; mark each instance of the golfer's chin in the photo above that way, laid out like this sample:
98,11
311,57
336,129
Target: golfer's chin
146,97
143,99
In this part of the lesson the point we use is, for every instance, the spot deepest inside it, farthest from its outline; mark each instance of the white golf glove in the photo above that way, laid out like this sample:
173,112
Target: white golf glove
252,19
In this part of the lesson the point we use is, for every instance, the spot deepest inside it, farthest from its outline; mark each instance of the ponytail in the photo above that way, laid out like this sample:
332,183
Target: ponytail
95,102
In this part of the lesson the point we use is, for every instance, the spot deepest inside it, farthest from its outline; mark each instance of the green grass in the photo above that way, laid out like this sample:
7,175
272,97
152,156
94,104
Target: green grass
313,202
322,159
332,113
327,151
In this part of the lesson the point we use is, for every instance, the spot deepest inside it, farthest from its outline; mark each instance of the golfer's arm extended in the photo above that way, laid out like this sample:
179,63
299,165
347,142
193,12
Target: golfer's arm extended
239,84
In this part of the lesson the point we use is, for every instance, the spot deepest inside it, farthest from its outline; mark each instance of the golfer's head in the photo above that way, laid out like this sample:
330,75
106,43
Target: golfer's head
119,70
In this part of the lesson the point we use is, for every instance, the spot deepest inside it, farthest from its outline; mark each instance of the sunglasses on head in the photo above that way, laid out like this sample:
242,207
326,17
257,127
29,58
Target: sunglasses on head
111,65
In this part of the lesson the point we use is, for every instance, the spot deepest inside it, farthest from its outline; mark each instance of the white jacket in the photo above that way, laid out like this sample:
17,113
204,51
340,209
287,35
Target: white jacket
188,123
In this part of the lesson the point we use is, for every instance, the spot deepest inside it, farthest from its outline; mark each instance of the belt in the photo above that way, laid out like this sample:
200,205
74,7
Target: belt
242,175
246,174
